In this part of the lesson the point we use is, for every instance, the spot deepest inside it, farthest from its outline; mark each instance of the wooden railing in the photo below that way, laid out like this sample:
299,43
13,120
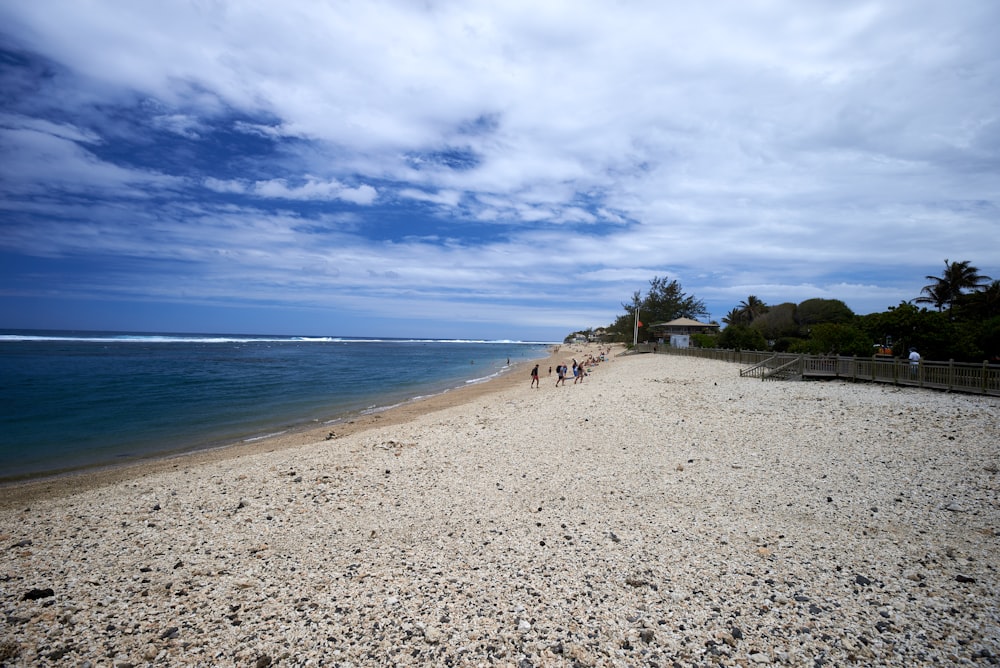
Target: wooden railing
775,367
951,376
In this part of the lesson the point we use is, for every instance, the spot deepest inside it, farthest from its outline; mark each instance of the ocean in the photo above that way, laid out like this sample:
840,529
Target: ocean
72,400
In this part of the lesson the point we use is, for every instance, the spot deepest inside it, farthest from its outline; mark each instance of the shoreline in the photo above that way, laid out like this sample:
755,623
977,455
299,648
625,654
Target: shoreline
664,512
22,489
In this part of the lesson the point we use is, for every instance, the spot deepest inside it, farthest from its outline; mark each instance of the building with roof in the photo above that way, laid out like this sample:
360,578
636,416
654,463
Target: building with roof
678,332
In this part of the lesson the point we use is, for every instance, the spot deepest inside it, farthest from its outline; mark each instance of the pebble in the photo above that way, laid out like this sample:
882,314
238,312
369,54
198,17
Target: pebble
698,518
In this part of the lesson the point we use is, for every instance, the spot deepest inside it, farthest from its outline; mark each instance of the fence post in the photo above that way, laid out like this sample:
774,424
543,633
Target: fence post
951,374
895,372
985,362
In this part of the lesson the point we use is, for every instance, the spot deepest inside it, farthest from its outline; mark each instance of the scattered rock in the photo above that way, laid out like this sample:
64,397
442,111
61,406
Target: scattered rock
432,635
8,650
35,594
454,576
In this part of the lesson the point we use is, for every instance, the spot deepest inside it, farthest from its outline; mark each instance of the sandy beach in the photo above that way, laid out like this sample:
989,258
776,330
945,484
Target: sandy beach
665,512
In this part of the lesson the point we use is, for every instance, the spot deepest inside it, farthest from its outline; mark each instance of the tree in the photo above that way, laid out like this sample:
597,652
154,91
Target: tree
747,311
905,325
778,322
948,289
741,337
936,294
734,317
817,311
666,301
702,340
836,339
751,309
983,304
623,328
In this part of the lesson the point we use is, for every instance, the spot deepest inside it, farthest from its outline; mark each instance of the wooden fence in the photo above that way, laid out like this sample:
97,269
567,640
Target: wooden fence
949,376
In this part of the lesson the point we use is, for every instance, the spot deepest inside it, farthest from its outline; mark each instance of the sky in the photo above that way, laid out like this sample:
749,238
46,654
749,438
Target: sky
512,170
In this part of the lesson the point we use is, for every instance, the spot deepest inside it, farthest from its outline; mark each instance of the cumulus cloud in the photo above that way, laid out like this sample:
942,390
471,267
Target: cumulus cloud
561,151
309,188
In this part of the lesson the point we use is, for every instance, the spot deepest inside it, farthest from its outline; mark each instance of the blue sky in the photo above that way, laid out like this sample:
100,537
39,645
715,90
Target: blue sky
470,169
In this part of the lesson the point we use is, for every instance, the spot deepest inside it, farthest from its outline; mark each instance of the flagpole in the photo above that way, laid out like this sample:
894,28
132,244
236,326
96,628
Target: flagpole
635,328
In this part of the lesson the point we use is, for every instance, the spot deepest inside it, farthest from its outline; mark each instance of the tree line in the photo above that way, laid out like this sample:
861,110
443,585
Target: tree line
962,323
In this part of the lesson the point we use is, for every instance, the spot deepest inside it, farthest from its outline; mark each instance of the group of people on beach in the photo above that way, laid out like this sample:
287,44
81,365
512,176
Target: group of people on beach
562,371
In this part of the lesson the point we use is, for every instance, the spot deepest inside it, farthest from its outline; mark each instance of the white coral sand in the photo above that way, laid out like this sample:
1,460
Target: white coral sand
664,512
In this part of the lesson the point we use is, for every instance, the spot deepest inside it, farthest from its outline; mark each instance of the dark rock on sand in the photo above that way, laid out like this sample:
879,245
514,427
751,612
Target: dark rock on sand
35,594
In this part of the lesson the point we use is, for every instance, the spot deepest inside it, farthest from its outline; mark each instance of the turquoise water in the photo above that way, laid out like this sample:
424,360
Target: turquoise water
72,400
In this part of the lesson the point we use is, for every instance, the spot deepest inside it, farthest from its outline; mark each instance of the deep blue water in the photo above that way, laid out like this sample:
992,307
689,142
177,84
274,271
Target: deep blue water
71,400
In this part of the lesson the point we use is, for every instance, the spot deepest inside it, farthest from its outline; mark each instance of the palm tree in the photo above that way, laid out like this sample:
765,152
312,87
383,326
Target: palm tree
751,309
734,317
952,284
935,293
985,303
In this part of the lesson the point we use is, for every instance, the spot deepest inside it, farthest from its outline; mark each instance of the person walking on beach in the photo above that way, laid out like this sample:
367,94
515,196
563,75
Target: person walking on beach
914,361
580,373
534,378
561,375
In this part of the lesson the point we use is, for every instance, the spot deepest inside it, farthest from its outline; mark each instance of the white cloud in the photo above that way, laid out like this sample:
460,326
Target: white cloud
772,147
310,189
43,158
315,189
450,198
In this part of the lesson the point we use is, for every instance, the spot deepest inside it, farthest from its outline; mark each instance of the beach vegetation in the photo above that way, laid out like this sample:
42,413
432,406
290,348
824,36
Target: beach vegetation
779,321
748,310
818,311
732,318
955,284
665,301
742,337
907,326
703,340
963,323
830,338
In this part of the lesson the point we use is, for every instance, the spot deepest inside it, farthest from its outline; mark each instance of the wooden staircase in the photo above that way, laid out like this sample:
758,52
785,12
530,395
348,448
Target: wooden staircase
778,367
